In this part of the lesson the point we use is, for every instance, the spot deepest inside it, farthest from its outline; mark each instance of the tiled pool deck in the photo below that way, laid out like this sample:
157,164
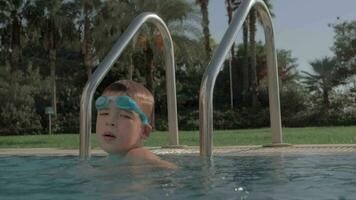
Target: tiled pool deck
226,150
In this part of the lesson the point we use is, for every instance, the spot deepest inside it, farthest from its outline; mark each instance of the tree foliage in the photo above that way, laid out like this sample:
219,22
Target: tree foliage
345,44
325,79
31,28
21,110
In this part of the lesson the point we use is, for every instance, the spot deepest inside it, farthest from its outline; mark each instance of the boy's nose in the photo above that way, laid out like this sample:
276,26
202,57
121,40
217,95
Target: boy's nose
111,120
109,124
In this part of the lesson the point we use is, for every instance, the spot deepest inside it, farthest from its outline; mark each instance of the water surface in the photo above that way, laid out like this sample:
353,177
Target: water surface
313,176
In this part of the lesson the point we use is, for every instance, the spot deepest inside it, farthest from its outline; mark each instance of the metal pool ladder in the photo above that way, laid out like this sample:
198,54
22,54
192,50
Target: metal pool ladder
105,66
216,64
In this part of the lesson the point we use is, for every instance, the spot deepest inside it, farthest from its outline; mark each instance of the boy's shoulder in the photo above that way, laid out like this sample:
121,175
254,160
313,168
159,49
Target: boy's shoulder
143,154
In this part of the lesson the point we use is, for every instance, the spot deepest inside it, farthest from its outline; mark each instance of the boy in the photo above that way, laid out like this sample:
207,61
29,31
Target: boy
124,112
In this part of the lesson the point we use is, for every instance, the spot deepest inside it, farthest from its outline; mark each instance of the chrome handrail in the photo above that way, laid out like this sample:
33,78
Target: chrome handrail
105,66
216,64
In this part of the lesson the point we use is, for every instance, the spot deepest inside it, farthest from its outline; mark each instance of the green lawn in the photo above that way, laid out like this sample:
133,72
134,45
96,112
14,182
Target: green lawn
310,135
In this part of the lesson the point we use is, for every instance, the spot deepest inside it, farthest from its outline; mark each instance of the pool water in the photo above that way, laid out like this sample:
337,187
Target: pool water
284,176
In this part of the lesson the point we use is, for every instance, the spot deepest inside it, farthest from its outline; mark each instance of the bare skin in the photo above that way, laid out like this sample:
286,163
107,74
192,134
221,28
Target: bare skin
121,132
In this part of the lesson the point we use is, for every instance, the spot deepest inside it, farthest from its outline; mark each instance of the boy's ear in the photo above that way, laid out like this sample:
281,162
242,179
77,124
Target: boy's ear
147,129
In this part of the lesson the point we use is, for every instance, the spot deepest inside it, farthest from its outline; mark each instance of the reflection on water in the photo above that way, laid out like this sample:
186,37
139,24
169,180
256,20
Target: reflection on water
224,177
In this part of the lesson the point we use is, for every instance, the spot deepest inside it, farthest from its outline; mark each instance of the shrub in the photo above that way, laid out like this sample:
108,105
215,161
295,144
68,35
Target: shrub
18,91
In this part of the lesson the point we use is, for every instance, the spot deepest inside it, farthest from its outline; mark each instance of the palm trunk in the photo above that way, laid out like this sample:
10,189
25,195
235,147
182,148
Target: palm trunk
205,24
149,68
229,14
88,41
253,86
5,41
245,65
15,54
149,75
326,99
51,45
231,61
52,64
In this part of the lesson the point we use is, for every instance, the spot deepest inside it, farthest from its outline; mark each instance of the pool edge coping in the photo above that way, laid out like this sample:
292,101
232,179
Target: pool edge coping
240,150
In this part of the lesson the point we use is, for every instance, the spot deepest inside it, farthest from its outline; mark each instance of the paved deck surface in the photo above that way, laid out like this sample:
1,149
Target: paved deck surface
226,150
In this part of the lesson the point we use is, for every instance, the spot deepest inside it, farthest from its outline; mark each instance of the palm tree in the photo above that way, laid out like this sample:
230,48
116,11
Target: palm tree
147,49
90,9
153,41
249,71
205,24
287,66
109,28
344,44
99,27
13,22
150,43
245,64
85,14
252,52
240,84
229,10
325,79
88,41
50,20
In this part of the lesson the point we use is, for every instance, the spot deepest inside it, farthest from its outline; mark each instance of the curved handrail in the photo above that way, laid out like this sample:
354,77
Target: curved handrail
209,77
105,66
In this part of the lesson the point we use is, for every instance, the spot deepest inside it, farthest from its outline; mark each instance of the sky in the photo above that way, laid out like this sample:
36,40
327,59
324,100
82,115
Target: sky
299,25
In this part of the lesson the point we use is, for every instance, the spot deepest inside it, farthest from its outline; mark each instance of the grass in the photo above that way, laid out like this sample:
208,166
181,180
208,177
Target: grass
309,135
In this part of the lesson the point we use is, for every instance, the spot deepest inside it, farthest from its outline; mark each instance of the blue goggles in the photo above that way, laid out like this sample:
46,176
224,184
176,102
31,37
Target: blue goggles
123,102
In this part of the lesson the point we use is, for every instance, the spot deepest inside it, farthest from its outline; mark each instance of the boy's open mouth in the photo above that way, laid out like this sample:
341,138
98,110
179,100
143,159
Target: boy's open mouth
108,136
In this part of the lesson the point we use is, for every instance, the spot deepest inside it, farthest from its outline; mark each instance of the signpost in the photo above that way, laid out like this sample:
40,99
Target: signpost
49,111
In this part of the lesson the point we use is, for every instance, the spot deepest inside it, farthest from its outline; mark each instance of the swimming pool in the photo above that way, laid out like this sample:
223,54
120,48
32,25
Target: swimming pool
284,176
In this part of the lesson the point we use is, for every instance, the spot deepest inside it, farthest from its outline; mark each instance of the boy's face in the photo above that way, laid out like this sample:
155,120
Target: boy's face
118,130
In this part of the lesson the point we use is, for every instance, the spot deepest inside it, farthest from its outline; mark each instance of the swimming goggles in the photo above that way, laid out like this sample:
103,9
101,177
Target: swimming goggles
123,102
